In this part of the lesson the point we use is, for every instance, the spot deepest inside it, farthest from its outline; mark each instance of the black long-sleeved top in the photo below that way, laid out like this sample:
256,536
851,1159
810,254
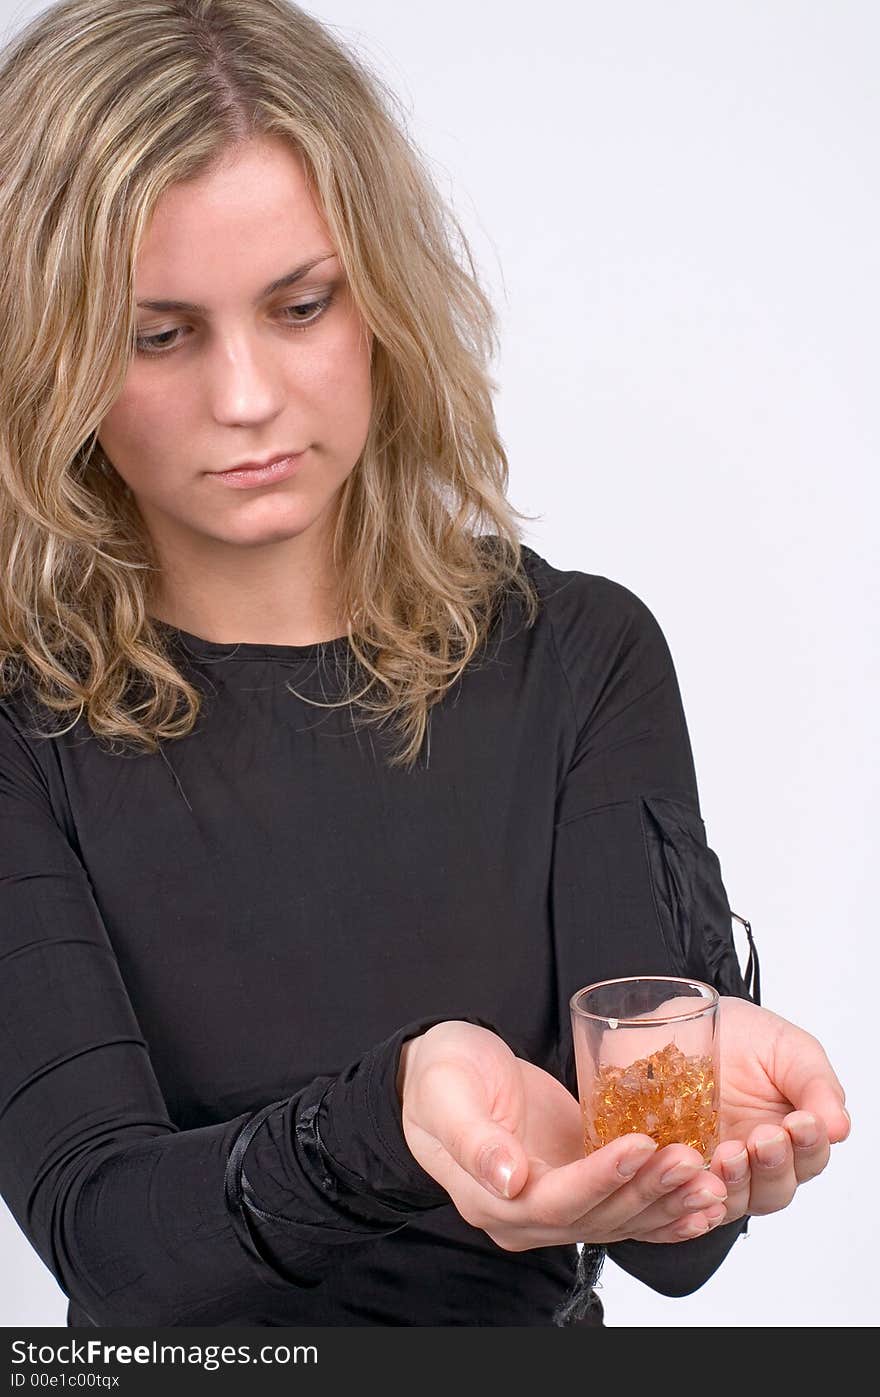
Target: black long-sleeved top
211,956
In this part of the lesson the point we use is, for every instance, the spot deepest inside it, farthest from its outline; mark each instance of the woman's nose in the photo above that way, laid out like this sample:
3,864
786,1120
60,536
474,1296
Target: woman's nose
246,381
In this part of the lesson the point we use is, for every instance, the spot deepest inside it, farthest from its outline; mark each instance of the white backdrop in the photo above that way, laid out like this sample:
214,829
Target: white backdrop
677,209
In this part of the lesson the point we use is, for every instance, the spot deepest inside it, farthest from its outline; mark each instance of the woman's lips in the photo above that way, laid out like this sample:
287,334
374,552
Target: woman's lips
242,477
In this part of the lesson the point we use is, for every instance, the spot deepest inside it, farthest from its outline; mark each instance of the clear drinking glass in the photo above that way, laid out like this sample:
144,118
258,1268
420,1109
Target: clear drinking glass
647,1054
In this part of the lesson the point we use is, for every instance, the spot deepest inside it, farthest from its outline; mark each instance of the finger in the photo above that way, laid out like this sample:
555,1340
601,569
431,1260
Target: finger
731,1163
810,1144
686,1229
673,1183
773,1180
685,1211
561,1198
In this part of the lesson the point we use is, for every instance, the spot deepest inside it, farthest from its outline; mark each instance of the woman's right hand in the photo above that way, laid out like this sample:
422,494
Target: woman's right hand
465,1094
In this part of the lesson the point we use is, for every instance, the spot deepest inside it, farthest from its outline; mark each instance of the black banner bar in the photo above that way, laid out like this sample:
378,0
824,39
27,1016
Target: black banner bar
260,1361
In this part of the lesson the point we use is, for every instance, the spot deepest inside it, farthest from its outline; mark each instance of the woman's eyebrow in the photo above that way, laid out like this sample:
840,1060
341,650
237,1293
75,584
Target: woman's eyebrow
288,279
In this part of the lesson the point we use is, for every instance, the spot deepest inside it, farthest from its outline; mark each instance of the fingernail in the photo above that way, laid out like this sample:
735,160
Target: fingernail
736,1168
806,1133
632,1162
496,1170
847,1114
703,1198
679,1172
502,1176
771,1150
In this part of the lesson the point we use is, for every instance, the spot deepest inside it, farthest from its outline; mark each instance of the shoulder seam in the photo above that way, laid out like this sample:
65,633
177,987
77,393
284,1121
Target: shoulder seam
578,725
568,688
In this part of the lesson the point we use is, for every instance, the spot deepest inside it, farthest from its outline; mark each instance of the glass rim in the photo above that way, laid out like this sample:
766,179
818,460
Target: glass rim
709,1001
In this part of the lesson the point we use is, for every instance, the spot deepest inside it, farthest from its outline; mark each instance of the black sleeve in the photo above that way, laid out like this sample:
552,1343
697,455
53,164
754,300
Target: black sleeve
635,887
140,1222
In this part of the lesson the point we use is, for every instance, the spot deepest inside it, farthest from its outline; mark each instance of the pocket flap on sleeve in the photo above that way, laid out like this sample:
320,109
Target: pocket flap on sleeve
689,894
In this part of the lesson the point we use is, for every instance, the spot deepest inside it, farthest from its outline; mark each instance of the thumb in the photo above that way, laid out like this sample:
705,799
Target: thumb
807,1079
499,1167
824,1100
460,1118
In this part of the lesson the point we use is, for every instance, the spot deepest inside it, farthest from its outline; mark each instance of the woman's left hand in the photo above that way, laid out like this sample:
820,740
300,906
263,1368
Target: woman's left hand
781,1109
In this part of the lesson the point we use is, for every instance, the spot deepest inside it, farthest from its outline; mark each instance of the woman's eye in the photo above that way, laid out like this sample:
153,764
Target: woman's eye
153,344
313,310
296,317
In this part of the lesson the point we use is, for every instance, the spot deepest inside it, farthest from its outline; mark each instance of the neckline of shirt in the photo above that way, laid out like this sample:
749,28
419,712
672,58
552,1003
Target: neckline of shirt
201,648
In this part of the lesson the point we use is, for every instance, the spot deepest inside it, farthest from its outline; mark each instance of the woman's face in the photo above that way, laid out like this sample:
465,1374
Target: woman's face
249,373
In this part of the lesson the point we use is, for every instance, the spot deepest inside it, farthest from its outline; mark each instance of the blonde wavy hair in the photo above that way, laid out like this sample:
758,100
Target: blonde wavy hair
103,105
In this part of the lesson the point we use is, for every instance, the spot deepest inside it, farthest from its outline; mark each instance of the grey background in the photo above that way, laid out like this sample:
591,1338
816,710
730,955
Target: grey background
676,210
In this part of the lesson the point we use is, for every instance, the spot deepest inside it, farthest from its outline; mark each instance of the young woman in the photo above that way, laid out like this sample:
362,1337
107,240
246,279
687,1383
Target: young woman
320,792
